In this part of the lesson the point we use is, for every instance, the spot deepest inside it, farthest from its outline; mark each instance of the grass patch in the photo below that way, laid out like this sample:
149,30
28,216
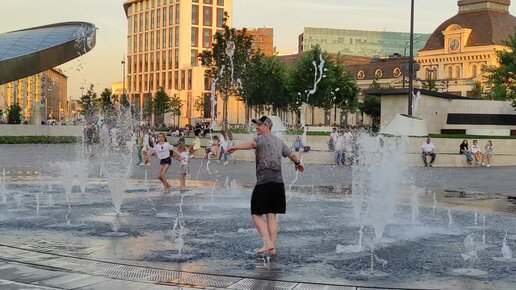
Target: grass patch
38,139
461,136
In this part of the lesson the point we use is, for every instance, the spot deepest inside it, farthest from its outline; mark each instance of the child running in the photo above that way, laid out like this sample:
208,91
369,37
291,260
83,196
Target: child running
163,150
183,154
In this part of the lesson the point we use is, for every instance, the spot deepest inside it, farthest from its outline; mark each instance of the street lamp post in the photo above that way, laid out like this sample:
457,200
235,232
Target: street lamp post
123,79
411,58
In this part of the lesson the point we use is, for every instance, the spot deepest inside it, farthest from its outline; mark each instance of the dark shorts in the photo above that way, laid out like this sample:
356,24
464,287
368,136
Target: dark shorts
268,198
167,160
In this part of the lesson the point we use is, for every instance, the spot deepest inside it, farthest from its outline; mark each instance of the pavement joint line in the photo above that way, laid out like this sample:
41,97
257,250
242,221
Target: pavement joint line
170,282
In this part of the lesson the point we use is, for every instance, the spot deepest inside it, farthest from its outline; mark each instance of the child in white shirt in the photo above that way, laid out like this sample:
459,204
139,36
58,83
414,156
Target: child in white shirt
183,154
163,150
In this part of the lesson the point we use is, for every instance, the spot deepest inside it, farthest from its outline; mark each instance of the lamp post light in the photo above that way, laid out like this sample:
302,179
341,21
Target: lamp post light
411,58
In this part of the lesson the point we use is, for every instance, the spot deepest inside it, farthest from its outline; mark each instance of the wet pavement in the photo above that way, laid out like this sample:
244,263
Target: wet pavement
48,242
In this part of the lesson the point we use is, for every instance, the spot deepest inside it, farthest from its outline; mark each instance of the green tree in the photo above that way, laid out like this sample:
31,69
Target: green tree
88,104
14,114
175,106
265,84
226,62
336,86
502,79
429,84
162,105
372,107
106,102
199,105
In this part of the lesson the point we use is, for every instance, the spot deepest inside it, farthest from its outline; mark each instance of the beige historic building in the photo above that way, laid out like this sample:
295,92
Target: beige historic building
41,96
460,47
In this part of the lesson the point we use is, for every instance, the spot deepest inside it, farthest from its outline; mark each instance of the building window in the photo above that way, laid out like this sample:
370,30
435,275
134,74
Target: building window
220,2
164,17
176,36
158,39
207,16
194,37
457,73
176,60
170,37
195,15
140,44
474,71
164,38
396,72
153,19
170,58
158,18
146,41
129,45
170,15
220,17
193,58
151,62
169,80
163,60
158,63
141,22
177,13
152,40
146,20
434,73
176,80
183,80
361,75
208,2
206,39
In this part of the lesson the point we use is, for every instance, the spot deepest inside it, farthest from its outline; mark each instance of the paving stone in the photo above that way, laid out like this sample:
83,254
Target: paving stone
61,280
10,285
113,284
26,274
83,282
304,286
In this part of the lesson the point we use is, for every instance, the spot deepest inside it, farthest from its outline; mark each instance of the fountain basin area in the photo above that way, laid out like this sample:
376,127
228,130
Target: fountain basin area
207,229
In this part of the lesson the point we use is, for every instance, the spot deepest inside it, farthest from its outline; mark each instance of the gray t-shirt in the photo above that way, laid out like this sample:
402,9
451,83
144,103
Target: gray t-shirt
269,150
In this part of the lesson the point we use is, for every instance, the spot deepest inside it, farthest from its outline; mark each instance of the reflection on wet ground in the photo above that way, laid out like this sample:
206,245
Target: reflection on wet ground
213,220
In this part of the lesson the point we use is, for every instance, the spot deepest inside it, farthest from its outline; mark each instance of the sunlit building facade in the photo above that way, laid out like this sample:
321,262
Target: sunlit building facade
44,93
360,42
163,42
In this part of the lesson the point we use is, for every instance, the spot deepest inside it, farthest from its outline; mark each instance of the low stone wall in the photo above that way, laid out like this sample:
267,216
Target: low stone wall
40,130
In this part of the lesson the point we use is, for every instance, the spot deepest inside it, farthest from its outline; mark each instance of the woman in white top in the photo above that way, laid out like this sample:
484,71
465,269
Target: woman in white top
163,150
477,152
148,143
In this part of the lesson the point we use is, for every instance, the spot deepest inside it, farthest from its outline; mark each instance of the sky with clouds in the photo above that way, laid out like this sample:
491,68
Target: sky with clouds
102,65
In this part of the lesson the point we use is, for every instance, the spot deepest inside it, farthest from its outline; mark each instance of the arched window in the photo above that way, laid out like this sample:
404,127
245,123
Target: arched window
457,72
474,71
428,74
449,74
434,73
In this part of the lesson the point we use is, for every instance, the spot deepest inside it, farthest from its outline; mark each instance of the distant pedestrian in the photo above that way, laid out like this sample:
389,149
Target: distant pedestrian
465,150
488,152
268,196
428,149
89,135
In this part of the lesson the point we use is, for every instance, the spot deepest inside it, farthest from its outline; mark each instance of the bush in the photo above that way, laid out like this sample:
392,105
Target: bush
14,114
38,139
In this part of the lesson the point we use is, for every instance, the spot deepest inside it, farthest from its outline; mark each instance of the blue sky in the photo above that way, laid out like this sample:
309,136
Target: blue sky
288,17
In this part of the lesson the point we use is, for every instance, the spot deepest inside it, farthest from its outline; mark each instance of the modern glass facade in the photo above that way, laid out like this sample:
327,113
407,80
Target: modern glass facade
360,42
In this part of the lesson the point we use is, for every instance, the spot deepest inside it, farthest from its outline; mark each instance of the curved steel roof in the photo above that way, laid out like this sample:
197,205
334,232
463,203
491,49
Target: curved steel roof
30,51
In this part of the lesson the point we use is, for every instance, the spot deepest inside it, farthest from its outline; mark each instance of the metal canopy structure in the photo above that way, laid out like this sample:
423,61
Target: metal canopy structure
30,51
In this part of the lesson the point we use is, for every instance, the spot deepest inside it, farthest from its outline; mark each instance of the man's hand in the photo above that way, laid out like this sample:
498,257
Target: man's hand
231,150
299,167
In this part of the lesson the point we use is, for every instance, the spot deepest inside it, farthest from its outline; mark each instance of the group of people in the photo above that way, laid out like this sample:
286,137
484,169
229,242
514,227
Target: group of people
268,197
218,147
340,142
482,158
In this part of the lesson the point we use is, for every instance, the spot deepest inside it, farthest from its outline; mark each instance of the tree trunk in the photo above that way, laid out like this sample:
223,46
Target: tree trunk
225,112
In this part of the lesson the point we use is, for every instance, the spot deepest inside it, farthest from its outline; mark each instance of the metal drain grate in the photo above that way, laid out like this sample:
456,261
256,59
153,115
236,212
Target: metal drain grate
254,284
207,280
303,286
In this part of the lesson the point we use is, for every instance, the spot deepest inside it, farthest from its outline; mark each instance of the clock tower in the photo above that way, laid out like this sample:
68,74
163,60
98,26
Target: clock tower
460,47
